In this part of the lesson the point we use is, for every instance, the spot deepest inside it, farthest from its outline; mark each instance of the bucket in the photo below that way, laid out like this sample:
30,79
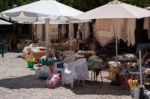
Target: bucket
30,64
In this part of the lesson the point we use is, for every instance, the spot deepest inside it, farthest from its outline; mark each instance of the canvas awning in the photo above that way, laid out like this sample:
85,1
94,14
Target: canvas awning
40,9
2,22
115,9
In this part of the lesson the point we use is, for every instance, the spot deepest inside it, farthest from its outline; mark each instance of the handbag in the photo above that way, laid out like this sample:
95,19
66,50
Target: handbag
53,80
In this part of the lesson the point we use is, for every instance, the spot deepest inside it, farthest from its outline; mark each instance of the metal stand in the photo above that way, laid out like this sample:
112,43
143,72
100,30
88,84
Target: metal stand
47,38
141,96
2,50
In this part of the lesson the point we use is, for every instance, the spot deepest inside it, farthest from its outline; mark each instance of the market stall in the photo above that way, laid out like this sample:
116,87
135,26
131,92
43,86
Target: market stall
122,13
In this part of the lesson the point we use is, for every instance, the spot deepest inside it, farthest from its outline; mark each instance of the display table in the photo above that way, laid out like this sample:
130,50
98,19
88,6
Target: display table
81,69
36,51
38,55
147,71
95,72
147,76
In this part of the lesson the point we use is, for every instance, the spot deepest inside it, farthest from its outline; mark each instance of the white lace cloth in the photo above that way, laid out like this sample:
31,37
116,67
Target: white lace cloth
81,69
75,70
69,74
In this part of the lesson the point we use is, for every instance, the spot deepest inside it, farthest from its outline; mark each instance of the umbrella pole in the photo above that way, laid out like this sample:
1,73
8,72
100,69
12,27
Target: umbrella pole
116,46
116,49
149,29
141,87
70,36
78,37
116,43
140,64
47,39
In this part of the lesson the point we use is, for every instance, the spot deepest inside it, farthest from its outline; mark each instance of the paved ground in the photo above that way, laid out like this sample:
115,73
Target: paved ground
19,82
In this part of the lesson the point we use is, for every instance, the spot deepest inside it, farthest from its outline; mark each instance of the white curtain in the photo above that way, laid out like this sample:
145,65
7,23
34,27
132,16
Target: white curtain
34,30
131,25
71,33
125,30
53,31
39,31
63,29
106,30
85,30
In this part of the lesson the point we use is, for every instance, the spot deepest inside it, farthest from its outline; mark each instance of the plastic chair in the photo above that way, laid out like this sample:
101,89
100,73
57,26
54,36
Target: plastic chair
81,69
69,74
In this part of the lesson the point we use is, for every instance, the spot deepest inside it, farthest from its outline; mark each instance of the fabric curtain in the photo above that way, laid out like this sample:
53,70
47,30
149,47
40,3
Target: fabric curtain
85,30
34,31
108,29
53,31
104,31
71,33
125,30
123,34
63,29
39,31
131,25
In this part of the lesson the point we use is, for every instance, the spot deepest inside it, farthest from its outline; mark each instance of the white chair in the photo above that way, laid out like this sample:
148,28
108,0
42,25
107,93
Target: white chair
81,69
69,74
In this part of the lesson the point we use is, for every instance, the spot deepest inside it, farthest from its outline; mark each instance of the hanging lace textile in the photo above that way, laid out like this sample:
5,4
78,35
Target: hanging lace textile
53,31
103,30
63,29
71,33
131,25
106,30
85,30
39,31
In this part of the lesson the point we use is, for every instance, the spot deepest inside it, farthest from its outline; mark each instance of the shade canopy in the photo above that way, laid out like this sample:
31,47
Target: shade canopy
115,9
60,20
120,21
42,8
148,8
2,22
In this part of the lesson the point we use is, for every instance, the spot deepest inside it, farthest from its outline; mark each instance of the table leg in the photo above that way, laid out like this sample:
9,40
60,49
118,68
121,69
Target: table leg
101,76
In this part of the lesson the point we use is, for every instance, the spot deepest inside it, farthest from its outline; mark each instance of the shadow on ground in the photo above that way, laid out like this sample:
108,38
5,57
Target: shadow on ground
91,87
29,81
98,88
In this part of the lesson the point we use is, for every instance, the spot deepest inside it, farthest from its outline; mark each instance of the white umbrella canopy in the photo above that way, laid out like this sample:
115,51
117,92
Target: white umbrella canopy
23,19
2,22
60,20
148,8
42,8
115,9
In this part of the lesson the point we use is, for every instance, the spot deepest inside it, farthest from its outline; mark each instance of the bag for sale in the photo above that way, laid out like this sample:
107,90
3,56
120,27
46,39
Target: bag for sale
43,72
53,80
